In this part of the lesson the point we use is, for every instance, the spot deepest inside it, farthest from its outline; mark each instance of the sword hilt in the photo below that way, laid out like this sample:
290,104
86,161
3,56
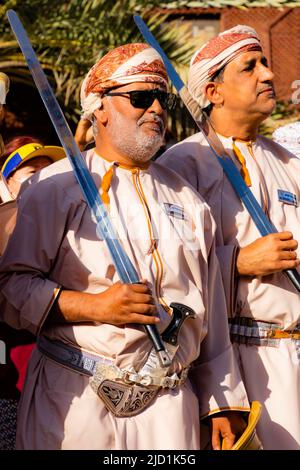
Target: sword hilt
181,313
158,345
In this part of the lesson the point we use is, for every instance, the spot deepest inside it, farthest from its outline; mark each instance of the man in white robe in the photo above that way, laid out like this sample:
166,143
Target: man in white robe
58,280
230,79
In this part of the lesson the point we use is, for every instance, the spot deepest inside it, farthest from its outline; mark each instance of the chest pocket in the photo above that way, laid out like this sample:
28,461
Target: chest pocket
183,224
173,210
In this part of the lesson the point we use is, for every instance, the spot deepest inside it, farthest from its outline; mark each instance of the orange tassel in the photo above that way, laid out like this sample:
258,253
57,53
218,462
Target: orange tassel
244,171
105,185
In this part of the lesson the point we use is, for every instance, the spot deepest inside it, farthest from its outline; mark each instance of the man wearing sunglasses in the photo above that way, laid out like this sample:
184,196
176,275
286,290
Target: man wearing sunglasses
142,99
57,279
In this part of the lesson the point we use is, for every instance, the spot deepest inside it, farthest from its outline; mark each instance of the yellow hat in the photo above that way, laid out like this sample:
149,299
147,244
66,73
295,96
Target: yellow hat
28,151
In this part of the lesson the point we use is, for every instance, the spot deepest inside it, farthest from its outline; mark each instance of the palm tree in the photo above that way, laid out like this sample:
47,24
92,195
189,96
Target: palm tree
68,36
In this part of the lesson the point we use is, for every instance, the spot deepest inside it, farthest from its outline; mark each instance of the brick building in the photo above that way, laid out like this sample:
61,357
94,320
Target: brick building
278,28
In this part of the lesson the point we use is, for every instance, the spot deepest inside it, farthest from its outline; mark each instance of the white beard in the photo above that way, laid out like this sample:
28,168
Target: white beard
134,144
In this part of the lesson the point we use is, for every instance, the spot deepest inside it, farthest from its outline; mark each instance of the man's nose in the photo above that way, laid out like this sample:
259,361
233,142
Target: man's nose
266,73
156,107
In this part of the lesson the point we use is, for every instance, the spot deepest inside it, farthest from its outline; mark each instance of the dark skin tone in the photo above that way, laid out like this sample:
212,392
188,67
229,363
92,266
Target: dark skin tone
242,99
118,305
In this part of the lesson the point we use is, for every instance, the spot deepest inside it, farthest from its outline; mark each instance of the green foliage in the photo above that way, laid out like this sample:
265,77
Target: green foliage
69,36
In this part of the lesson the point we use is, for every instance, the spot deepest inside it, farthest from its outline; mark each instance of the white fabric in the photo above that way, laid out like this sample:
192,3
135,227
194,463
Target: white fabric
55,244
272,375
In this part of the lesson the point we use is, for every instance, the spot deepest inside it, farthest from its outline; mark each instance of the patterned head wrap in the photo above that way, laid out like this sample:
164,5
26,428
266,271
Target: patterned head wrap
217,53
125,64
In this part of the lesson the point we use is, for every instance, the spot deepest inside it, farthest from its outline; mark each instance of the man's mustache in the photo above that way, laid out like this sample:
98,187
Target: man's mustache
154,118
269,87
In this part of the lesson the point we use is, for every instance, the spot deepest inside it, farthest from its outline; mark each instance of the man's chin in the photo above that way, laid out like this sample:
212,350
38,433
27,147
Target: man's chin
145,154
268,109
271,103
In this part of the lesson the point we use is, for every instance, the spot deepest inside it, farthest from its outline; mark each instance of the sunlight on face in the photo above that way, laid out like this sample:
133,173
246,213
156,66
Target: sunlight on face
248,84
136,133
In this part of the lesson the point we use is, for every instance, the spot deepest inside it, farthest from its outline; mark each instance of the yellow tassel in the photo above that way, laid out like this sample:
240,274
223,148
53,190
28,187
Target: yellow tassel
244,171
105,185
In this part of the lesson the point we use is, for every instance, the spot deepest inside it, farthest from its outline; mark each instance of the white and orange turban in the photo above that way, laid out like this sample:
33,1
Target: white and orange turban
125,64
217,53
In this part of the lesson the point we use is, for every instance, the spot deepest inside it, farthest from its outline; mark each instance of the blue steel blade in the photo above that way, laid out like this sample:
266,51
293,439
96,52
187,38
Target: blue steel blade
150,39
260,219
124,267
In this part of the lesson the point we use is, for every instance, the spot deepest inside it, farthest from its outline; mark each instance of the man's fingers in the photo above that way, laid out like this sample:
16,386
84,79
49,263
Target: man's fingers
141,288
287,235
138,298
144,309
228,442
216,440
288,255
143,319
286,264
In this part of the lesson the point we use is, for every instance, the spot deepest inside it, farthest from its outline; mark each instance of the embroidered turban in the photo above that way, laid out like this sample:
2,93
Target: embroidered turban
217,53
125,64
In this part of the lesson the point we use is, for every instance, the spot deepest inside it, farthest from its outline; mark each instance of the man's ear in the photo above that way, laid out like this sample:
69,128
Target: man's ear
213,93
101,115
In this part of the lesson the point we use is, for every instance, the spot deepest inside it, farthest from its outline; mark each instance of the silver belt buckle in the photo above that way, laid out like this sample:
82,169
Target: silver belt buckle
121,399
125,400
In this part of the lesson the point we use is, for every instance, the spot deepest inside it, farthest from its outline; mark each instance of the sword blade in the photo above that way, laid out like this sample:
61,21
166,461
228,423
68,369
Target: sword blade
150,39
191,105
124,267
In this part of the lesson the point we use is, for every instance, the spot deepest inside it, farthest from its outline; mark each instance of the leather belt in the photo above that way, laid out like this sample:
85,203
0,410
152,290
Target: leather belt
68,356
124,392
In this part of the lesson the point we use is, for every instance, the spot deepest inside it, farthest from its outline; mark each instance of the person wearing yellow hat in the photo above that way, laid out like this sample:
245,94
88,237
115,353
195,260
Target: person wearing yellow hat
25,160
23,156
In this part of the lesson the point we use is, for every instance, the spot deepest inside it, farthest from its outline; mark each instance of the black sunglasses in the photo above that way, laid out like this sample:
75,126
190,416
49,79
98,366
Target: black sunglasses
144,98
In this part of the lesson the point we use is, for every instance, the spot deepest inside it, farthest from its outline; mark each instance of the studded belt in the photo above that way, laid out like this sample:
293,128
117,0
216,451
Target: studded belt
124,392
244,330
